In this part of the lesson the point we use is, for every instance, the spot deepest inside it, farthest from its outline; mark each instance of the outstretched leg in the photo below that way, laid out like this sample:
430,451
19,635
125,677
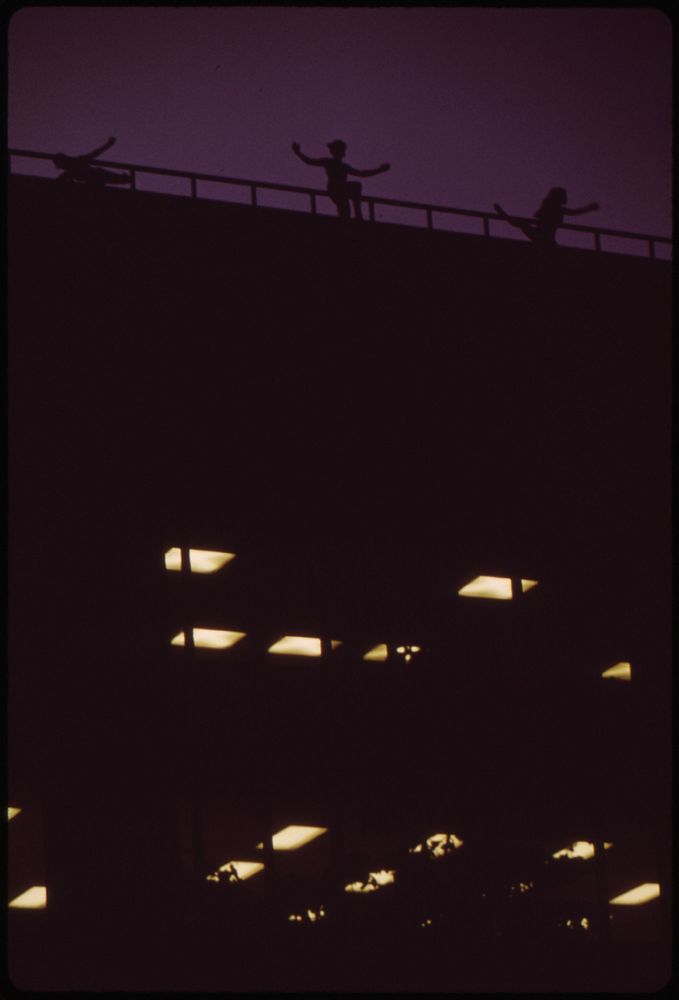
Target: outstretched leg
525,227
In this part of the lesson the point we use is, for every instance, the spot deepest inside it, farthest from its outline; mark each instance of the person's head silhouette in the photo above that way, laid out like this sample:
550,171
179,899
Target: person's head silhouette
337,148
558,195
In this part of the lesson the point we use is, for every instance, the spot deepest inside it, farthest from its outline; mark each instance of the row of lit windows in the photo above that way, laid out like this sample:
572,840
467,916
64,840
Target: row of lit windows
295,836
311,646
497,588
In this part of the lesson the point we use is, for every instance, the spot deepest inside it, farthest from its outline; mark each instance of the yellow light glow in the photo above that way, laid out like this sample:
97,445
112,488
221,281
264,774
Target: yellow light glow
640,894
209,638
580,849
173,559
439,844
374,881
243,869
200,560
292,837
34,898
334,643
13,811
498,588
297,645
377,654
619,671
528,585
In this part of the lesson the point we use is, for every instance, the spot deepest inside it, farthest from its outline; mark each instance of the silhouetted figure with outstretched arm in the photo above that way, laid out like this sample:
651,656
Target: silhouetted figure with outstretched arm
79,168
341,190
549,217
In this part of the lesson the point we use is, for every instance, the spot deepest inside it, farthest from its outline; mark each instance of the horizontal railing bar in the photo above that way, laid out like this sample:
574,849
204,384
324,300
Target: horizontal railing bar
369,199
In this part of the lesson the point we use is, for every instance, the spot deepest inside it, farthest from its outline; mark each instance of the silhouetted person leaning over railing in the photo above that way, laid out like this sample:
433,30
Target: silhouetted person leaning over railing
549,217
79,168
341,190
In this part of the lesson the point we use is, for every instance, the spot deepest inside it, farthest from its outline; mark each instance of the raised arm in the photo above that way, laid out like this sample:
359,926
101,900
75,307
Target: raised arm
593,205
99,150
383,167
305,159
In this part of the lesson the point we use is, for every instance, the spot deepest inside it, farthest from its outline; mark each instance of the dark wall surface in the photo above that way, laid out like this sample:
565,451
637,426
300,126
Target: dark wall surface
369,415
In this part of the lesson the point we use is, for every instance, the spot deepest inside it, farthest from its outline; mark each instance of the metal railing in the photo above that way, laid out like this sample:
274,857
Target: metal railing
135,169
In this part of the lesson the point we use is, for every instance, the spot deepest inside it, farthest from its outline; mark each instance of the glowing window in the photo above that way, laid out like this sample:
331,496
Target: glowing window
498,588
13,811
34,898
209,638
640,894
375,881
296,645
438,845
580,849
619,672
377,654
292,837
242,870
200,560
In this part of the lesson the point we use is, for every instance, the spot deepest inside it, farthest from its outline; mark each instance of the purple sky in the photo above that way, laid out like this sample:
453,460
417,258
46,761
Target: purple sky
469,105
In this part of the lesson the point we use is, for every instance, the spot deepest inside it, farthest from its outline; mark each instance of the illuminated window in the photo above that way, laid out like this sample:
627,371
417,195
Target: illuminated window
13,811
296,645
292,837
34,898
498,588
236,871
438,845
640,894
209,638
619,672
200,560
377,654
580,849
375,881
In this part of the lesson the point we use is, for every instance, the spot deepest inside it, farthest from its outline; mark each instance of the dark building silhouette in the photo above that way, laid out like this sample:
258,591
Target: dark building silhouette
369,418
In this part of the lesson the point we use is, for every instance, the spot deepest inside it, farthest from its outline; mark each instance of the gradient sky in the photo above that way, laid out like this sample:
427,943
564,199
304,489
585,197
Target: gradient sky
469,105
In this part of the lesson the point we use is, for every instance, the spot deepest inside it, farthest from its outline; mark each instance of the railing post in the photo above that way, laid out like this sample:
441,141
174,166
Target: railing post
253,195
133,180
313,203
194,188
651,249
486,226
430,220
597,241
371,209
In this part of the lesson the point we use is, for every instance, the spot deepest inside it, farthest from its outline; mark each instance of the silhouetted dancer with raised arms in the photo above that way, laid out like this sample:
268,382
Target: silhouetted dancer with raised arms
79,168
341,190
549,217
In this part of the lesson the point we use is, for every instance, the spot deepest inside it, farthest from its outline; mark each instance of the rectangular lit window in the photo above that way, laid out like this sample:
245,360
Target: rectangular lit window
640,894
296,645
209,638
377,654
34,898
619,672
200,560
243,869
13,811
292,837
498,588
